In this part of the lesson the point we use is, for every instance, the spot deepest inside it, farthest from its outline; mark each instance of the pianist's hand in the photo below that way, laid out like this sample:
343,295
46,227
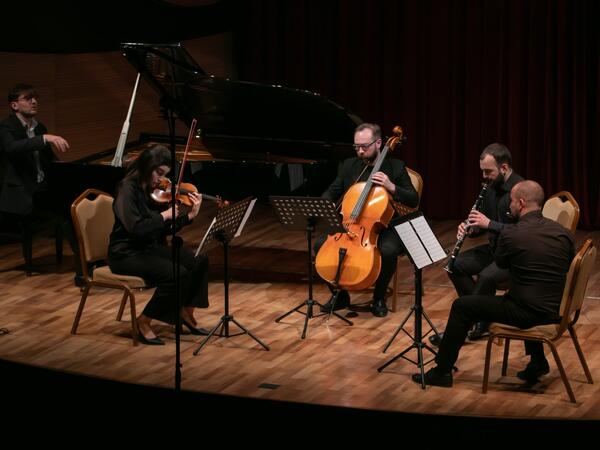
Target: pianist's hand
58,143
196,202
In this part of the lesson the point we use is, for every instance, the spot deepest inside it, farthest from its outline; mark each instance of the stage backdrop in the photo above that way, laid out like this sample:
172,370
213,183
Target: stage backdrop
457,75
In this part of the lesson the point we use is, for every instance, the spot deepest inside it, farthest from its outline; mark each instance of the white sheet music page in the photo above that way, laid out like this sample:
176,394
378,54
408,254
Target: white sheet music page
205,236
413,244
436,252
248,211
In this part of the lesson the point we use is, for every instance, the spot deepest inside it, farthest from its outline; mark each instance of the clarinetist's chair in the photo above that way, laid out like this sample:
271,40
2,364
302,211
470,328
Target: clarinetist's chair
562,208
570,308
93,221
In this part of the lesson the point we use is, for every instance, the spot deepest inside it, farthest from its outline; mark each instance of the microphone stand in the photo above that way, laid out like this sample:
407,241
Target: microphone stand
176,243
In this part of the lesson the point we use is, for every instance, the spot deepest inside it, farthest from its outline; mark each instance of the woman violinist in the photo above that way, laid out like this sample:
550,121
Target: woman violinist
394,178
138,245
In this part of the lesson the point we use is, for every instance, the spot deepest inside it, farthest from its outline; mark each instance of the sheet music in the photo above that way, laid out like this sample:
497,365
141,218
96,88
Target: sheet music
413,244
420,242
205,236
248,211
436,252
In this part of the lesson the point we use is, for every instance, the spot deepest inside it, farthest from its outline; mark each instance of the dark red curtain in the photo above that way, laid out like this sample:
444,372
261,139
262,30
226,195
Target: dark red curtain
457,75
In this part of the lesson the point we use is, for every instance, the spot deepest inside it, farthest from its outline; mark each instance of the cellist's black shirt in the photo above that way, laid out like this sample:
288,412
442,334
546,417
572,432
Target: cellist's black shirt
395,169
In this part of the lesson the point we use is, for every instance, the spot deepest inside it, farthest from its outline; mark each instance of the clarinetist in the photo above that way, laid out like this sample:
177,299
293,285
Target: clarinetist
474,271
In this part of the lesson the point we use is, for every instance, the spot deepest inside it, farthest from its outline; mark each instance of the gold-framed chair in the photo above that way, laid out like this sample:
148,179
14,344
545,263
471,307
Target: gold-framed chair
570,308
93,220
562,208
417,182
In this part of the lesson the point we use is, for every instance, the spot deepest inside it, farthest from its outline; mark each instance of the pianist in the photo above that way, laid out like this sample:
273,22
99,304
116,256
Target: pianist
26,152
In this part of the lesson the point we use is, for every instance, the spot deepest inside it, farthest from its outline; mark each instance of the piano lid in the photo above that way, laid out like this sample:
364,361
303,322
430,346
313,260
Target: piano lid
244,116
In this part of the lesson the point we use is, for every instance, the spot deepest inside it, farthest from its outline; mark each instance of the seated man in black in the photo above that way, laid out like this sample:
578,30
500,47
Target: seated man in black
395,179
27,150
537,253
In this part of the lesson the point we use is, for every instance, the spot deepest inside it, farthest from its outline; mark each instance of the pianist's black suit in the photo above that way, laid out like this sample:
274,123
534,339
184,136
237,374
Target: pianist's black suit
19,183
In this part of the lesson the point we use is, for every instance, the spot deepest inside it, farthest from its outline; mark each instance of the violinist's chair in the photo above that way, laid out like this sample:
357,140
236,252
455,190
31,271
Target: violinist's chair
417,182
570,308
93,221
562,208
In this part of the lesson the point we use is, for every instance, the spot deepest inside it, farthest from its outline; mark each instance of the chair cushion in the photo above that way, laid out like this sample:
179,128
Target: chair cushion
549,331
105,274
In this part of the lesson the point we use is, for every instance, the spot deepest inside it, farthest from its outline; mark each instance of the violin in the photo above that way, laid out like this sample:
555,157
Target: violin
163,194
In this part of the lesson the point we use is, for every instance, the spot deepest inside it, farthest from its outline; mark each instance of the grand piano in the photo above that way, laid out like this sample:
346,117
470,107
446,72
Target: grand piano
253,139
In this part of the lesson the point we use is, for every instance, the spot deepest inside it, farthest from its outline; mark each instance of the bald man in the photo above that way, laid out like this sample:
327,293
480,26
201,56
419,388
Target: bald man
537,253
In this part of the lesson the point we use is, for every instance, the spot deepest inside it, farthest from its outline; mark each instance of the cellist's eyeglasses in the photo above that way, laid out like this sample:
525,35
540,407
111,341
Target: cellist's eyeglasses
357,147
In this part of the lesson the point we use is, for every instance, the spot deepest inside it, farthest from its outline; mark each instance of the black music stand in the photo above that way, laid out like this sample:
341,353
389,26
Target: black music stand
423,249
224,228
308,214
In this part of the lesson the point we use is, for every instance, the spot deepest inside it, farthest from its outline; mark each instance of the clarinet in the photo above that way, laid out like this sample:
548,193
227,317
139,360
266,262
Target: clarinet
449,267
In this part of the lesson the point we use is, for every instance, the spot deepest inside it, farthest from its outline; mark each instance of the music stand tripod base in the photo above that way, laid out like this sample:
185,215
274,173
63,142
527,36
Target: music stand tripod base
308,214
227,224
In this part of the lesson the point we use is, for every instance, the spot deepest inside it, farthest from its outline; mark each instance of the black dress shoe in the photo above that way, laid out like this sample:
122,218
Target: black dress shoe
434,377
150,341
436,339
479,331
533,371
342,302
379,308
79,281
195,330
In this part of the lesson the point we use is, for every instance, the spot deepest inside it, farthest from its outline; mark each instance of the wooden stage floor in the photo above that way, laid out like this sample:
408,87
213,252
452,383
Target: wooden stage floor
335,365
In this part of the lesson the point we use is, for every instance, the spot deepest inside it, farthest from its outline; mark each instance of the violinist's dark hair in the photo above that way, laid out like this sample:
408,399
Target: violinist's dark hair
149,160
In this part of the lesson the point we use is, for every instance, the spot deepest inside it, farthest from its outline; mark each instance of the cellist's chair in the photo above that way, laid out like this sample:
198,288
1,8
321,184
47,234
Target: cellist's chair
417,182
93,221
562,208
570,308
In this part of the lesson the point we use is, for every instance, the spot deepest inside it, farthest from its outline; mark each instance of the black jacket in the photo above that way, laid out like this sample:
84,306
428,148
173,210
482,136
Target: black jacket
17,165
395,169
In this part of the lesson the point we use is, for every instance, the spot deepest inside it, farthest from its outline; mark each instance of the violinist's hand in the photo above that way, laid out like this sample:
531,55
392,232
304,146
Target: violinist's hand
58,143
381,179
478,219
168,213
196,199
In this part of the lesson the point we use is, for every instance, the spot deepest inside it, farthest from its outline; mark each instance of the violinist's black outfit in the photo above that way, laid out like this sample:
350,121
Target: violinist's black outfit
388,242
138,247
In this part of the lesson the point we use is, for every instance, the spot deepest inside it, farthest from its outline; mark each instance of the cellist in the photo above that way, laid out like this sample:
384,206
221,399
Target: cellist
395,179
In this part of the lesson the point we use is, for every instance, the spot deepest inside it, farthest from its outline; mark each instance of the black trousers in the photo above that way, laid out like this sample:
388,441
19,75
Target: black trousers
390,246
469,309
477,261
155,266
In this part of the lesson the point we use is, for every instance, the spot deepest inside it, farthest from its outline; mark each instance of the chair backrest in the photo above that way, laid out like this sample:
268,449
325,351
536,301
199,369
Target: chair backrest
562,208
576,283
93,221
417,182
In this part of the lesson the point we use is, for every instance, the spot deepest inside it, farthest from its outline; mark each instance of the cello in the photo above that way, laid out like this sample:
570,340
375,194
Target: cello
350,260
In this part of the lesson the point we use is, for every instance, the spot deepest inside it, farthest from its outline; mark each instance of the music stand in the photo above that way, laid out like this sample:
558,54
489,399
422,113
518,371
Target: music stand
308,213
423,249
226,226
